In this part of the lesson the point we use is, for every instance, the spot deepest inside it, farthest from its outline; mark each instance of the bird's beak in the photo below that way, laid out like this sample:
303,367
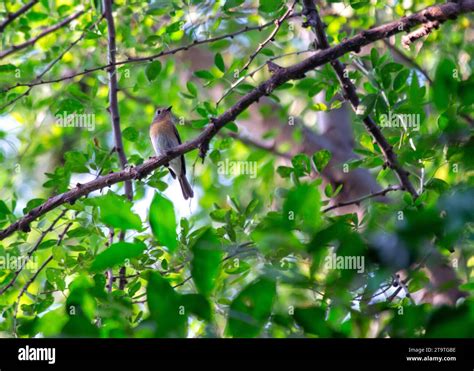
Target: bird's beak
169,108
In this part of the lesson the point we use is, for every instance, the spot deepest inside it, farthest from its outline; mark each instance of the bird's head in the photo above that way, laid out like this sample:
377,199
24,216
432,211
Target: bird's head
162,113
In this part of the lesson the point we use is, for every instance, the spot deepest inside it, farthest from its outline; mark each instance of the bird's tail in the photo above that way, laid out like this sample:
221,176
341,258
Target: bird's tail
186,187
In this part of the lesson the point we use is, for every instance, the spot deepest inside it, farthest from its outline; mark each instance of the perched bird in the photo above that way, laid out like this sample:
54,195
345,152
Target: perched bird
164,136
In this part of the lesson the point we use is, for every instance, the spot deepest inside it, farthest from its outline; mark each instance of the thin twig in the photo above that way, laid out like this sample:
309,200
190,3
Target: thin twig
253,72
278,24
357,201
49,66
47,31
31,252
12,16
145,59
33,278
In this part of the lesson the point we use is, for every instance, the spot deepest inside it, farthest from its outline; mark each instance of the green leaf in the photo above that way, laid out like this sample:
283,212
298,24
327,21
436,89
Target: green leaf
7,68
203,74
163,222
130,134
269,6
374,57
219,62
76,162
303,204
197,305
116,211
391,68
321,159
401,80
192,89
35,202
152,70
445,83
206,262
232,4
251,309
357,4
232,126
301,164
165,306
68,106
284,171
313,321
116,254
366,106
4,209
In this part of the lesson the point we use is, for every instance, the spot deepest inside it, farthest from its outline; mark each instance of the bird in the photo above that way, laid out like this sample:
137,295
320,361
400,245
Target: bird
164,136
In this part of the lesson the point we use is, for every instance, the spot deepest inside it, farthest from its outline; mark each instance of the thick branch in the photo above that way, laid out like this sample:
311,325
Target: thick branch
113,108
350,93
280,77
12,16
44,33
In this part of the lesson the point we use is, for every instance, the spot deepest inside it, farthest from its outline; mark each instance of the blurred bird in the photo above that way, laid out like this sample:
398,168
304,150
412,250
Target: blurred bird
164,136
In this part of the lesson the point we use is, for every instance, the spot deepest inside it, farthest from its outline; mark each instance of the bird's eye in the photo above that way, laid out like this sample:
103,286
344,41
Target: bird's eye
158,112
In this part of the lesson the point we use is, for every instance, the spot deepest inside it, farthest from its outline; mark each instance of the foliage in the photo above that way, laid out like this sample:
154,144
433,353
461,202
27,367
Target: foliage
251,260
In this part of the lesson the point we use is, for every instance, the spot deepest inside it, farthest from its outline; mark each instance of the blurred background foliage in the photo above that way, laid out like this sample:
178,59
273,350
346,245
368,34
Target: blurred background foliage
232,263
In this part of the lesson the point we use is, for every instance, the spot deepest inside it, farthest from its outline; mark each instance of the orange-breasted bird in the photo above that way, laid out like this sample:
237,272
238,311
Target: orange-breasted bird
164,136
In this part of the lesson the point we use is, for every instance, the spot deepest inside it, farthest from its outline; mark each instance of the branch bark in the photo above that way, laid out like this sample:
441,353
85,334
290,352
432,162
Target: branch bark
113,107
350,93
145,59
280,77
12,16
357,201
114,113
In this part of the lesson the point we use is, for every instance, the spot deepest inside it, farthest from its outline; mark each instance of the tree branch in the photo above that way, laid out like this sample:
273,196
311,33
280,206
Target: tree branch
278,23
33,278
114,114
12,16
44,33
31,252
50,65
280,77
423,31
357,201
350,93
113,107
145,59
